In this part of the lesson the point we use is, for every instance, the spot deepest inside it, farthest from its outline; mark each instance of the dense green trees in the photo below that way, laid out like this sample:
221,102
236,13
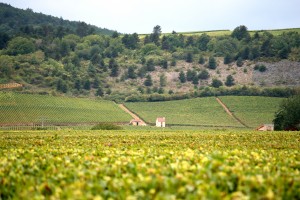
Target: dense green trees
20,45
288,115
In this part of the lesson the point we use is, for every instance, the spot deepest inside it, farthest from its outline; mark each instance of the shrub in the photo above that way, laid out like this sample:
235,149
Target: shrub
261,68
203,75
106,126
216,83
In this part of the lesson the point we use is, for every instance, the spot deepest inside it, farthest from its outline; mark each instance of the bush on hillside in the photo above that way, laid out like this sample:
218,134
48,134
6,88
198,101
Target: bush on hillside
106,126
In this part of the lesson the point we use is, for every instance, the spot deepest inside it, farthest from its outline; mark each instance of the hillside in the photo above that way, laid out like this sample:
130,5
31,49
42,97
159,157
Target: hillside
79,62
253,111
207,112
14,21
24,109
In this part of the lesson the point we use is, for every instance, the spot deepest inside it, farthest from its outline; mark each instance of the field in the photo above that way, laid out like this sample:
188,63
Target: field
28,108
217,33
149,165
192,112
253,111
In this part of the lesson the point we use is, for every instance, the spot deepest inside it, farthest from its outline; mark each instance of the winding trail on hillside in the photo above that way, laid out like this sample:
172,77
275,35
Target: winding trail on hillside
133,115
230,113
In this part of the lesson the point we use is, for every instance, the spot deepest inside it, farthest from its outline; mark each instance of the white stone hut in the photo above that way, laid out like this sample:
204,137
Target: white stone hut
161,122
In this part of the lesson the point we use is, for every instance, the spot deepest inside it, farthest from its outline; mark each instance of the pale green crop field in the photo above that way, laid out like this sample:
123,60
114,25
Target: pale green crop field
253,111
24,108
194,112
149,165
217,33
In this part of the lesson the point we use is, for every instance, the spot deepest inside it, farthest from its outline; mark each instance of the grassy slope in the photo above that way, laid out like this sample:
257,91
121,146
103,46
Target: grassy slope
200,111
216,33
17,108
253,111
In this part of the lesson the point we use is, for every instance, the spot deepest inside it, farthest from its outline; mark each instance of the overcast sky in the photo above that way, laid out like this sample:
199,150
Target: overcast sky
140,16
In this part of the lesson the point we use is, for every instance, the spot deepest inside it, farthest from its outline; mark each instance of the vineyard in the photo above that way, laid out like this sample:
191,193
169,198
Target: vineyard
43,109
149,165
253,111
207,112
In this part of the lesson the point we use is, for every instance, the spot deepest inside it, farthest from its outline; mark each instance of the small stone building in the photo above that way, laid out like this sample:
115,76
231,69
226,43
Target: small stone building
266,127
137,122
161,122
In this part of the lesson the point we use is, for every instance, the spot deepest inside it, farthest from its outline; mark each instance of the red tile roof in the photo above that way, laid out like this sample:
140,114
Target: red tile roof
161,119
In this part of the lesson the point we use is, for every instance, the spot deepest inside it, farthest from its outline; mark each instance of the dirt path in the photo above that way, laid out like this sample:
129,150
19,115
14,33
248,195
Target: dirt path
134,116
10,85
230,113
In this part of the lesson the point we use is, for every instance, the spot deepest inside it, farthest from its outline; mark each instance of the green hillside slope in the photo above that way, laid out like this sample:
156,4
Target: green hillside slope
18,21
27,108
196,112
253,111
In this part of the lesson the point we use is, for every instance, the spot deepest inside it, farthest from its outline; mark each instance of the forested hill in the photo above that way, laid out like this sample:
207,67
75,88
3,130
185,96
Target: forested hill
14,21
52,56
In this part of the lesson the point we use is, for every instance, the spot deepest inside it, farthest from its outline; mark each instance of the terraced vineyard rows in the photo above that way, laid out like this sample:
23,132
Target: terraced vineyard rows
27,108
253,111
193,112
149,165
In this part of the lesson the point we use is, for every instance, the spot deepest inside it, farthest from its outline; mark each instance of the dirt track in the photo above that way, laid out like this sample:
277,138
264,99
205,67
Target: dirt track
10,85
230,113
134,116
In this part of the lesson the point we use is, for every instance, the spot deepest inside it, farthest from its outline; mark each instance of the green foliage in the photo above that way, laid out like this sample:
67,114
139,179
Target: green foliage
190,75
203,41
154,37
287,116
241,32
239,62
26,22
212,63
182,77
203,74
216,83
227,59
148,81
6,66
229,81
20,45
162,80
150,65
201,60
121,164
189,57
106,126
261,67
131,73
131,40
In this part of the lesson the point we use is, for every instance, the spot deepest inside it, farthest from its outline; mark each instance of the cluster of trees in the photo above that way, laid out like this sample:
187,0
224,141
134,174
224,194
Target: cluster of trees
288,115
